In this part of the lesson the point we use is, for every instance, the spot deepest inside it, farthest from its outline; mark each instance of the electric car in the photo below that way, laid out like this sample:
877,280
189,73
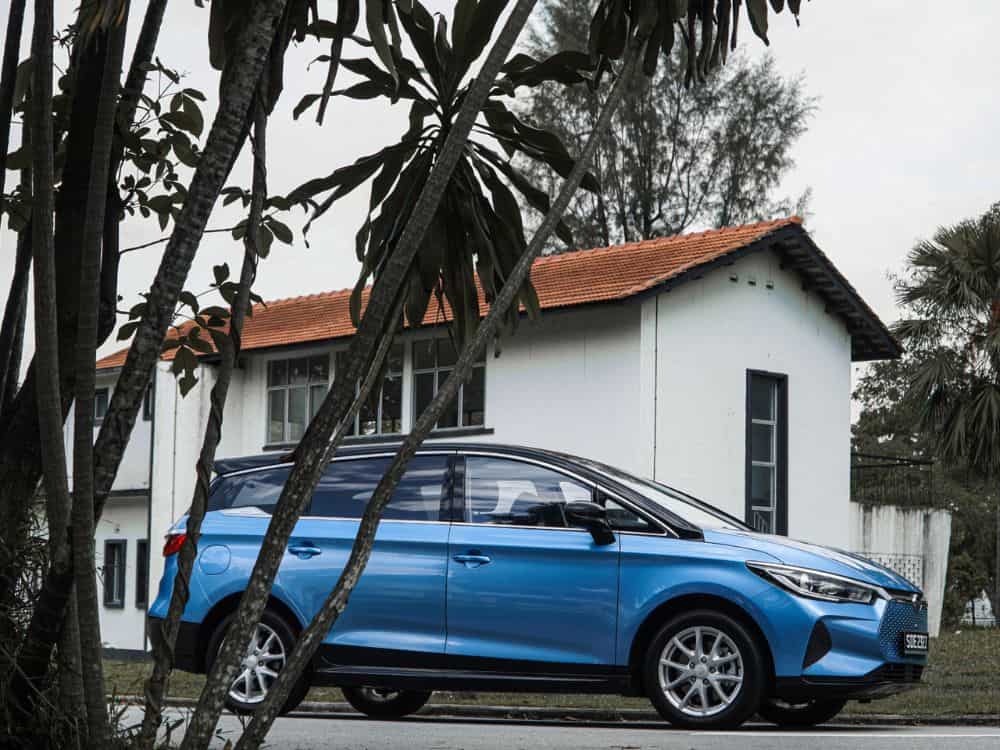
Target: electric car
503,568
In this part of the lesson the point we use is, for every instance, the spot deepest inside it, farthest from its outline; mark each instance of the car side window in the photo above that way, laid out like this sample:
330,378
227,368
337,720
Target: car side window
347,486
621,518
255,489
517,493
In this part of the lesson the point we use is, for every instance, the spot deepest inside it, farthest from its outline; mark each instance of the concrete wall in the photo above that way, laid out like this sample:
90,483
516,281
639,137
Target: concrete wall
698,343
895,536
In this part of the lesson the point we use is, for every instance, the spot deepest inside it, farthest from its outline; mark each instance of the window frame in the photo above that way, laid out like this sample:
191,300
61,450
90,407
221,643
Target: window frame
400,373
115,599
286,388
142,573
415,372
148,404
106,390
780,449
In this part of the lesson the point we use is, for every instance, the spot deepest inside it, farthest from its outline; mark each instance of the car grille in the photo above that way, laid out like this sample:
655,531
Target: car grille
898,673
900,616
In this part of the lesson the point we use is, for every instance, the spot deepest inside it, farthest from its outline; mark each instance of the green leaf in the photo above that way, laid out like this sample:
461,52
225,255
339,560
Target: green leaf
127,330
281,231
221,273
375,19
757,11
190,300
305,103
266,238
478,33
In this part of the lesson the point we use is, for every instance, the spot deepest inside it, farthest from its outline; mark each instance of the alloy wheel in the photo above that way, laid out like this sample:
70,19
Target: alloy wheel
264,658
701,671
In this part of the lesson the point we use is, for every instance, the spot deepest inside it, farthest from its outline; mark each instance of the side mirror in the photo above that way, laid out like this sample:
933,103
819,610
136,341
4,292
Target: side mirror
592,517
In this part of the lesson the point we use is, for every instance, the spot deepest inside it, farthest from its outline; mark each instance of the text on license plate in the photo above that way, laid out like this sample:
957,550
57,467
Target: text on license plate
915,643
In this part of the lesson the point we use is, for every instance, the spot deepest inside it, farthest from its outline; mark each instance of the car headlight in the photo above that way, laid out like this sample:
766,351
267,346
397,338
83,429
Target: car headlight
815,584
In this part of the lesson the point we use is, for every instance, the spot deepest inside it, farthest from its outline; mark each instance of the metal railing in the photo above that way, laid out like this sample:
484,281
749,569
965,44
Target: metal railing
891,480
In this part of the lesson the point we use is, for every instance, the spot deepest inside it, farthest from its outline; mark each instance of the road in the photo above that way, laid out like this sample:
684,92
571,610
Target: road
345,732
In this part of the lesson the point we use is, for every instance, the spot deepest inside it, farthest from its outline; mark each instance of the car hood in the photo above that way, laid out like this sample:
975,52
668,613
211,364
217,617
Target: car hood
814,556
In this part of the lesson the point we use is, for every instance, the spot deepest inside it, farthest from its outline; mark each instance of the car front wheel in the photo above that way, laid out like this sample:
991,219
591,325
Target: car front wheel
380,703
800,713
704,670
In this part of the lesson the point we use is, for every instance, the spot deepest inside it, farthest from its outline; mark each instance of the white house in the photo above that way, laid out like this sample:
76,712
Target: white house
717,362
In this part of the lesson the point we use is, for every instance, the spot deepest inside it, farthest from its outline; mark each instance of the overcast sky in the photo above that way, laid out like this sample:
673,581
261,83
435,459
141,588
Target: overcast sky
904,140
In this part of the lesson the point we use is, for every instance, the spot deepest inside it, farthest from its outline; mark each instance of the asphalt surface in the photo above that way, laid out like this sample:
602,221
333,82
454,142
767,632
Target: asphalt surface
347,732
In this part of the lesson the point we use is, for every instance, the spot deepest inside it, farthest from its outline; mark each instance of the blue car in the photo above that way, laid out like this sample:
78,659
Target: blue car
500,568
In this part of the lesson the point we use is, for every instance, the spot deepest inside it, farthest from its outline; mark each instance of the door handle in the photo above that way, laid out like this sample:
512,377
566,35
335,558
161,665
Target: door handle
305,550
473,559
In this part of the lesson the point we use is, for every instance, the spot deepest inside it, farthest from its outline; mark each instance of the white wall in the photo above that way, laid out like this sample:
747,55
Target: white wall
570,382
123,518
133,473
707,333
179,428
889,534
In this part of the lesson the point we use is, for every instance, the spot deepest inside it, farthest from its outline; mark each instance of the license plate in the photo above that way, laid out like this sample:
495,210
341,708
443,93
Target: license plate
914,644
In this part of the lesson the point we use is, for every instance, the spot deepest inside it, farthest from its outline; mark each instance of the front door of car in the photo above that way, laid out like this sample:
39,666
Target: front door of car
398,605
523,585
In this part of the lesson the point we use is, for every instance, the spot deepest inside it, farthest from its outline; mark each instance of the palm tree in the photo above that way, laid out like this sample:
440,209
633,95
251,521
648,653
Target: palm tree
953,292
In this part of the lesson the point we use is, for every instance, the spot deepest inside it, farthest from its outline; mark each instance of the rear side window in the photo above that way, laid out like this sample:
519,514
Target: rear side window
256,489
347,486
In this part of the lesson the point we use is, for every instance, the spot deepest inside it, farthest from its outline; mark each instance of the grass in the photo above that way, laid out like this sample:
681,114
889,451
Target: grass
961,679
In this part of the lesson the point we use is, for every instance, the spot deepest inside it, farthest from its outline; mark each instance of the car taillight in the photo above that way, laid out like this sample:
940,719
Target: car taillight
173,544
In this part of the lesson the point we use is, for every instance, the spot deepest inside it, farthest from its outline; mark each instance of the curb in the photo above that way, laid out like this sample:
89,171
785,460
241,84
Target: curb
598,715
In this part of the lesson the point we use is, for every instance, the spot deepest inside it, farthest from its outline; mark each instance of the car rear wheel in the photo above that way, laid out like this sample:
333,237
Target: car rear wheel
265,656
800,713
703,670
384,703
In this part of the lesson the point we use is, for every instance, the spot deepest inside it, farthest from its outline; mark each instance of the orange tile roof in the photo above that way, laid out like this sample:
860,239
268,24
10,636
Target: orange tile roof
565,280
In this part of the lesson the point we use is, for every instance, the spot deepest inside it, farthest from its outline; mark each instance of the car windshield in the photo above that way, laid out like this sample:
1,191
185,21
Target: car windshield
694,511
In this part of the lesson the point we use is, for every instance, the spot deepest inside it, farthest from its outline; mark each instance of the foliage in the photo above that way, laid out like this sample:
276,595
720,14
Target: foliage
942,399
951,293
676,155
478,227
615,22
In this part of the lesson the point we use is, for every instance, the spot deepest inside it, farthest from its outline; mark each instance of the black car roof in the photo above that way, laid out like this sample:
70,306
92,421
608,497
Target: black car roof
241,463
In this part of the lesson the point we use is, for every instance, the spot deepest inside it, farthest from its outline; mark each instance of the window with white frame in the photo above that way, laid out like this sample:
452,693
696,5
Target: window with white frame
114,573
382,411
433,361
295,389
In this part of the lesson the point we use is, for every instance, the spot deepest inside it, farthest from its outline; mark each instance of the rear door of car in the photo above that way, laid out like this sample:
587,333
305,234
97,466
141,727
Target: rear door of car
524,588
397,609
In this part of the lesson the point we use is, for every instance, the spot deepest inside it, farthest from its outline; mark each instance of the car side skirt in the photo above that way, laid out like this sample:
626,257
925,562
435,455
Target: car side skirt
347,666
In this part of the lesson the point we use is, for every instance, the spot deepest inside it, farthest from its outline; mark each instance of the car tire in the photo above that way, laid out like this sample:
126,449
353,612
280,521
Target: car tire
386,704
721,680
800,714
274,640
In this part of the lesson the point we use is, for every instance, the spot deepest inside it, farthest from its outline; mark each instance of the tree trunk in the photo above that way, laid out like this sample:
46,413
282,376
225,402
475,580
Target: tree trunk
310,639
315,450
145,47
11,331
20,437
8,72
49,408
225,139
163,657
71,696
83,421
